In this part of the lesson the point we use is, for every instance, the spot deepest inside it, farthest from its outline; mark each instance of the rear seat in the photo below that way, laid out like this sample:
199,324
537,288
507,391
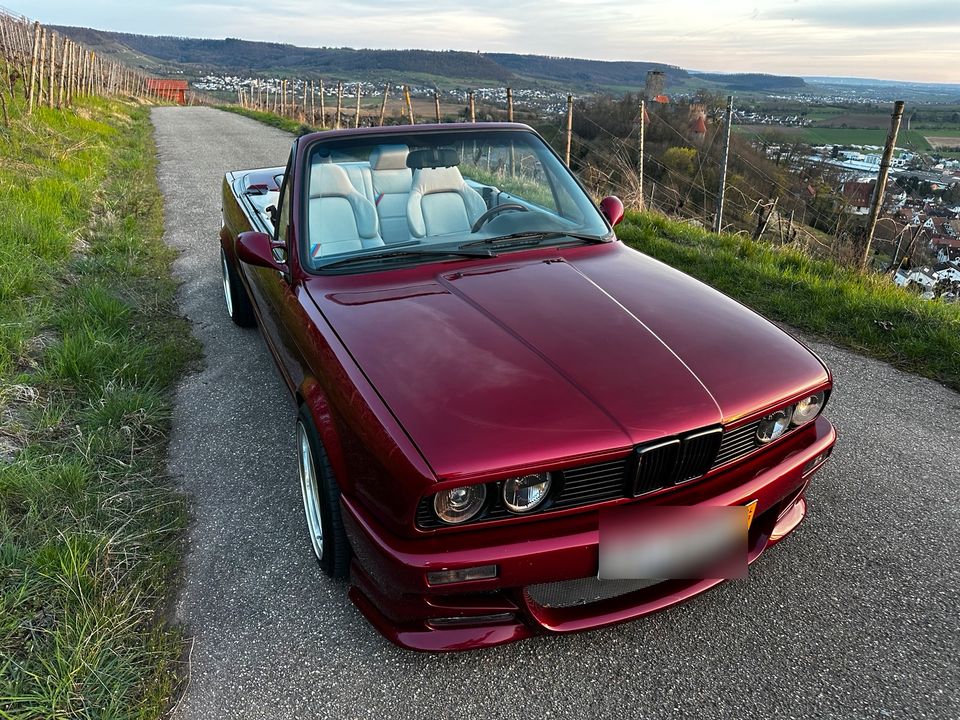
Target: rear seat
385,181
391,189
360,178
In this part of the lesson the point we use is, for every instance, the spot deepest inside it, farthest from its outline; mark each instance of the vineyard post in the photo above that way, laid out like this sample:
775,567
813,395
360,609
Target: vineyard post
877,202
728,120
383,103
569,127
53,66
336,121
406,96
356,119
323,107
33,65
313,103
643,115
304,100
509,104
473,108
436,104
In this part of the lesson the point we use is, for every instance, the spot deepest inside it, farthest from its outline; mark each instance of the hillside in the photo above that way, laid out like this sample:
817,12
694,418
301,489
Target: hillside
167,55
590,72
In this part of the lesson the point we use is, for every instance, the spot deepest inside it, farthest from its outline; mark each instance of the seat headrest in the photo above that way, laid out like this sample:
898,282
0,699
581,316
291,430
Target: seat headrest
330,180
389,157
433,158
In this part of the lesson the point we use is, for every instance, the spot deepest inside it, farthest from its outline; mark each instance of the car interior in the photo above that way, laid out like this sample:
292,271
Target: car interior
402,197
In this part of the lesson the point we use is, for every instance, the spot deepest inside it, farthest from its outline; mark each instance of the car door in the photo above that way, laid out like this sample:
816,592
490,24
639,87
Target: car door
273,288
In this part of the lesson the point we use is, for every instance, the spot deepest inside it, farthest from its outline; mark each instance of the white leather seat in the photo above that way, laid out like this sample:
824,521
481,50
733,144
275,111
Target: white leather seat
360,177
340,218
440,200
391,190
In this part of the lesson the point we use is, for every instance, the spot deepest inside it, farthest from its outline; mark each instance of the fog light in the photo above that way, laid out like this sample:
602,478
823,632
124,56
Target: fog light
444,577
816,462
773,425
470,620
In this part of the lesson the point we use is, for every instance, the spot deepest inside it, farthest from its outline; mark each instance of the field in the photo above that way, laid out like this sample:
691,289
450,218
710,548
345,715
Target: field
913,139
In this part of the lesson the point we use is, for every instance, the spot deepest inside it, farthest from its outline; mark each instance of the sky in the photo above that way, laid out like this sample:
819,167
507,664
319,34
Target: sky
917,40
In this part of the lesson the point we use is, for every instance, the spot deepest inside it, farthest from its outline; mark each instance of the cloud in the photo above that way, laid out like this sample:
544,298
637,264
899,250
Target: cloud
874,38
888,14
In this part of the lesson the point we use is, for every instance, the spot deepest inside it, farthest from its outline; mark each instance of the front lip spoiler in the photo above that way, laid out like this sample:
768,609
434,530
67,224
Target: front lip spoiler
408,624
530,620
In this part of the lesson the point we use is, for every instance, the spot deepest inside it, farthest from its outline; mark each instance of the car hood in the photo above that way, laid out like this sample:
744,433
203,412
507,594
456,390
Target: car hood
508,364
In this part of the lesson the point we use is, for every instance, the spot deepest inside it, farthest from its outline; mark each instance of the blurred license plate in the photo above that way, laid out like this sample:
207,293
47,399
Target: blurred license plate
665,542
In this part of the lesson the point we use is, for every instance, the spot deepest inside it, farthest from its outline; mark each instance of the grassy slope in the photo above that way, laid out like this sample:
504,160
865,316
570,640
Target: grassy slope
89,349
866,313
271,119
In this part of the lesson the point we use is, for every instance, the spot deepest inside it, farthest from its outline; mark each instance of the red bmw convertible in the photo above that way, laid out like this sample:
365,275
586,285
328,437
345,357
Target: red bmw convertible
498,401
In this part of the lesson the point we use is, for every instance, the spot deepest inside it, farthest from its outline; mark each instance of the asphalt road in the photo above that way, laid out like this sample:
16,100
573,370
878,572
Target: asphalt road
854,616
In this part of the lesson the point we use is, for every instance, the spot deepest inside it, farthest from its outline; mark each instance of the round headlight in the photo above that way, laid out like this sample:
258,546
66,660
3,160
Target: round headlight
773,425
458,505
807,409
522,494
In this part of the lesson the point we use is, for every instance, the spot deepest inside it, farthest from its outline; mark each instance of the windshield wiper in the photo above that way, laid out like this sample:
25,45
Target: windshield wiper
390,254
534,238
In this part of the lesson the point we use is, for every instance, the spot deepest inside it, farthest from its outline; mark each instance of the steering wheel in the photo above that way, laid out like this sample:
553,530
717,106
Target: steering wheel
496,210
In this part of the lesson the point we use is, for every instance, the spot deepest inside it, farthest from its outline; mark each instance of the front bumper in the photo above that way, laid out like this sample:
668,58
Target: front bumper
389,573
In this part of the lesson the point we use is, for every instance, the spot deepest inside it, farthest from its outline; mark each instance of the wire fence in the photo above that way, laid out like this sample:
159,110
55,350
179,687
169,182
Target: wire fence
43,68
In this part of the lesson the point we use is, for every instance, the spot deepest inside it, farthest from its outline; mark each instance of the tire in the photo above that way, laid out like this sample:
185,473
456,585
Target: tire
235,294
321,500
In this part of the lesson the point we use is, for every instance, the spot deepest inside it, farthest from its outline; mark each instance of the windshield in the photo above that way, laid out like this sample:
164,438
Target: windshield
411,197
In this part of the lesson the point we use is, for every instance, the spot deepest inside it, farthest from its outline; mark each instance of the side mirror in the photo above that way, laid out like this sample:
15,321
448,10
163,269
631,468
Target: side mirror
256,248
612,209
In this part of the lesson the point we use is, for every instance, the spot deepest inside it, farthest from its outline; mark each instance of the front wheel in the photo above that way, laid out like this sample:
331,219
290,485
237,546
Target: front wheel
321,500
235,295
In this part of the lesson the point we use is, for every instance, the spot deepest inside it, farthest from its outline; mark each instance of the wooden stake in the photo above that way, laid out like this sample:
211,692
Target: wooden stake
569,127
383,103
473,108
877,203
313,104
323,107
336,122
304,101
436,104
356,120
34,56
643,114
721,192
42,75
406,97
509,104
63,72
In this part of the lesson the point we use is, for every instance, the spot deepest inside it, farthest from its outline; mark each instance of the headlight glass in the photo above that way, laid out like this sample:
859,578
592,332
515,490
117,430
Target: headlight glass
522,494
807,409
774,425
458,505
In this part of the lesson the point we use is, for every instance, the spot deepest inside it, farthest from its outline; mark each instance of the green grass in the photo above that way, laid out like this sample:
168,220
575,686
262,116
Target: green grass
272,119
90,346
865,313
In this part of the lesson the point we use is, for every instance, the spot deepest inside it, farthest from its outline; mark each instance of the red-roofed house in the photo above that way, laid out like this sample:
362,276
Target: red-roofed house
173,90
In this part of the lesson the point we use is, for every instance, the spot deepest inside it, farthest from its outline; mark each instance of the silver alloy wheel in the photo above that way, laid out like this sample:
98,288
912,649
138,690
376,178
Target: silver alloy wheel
311,495
227,295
